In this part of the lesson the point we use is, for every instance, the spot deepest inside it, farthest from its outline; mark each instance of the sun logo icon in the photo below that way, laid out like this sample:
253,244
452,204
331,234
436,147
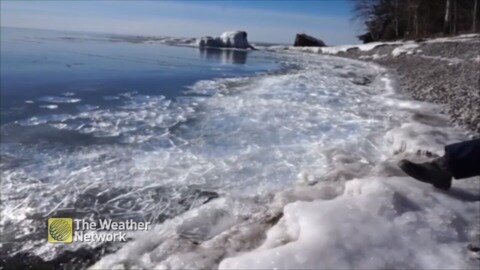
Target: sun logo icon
60,230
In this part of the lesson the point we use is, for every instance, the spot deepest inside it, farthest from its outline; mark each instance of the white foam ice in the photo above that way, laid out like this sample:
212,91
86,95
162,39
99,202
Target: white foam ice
320,140
139,118
87,107
53,99
68,94
49,106
111,97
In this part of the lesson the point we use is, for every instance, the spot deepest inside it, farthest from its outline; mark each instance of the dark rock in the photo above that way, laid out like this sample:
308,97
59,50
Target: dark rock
303,40
362,81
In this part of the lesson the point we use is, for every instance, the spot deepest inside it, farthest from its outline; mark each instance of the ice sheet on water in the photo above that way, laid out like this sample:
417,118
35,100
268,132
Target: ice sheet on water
138,119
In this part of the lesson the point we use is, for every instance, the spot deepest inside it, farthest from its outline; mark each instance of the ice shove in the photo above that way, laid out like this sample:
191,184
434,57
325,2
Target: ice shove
259,143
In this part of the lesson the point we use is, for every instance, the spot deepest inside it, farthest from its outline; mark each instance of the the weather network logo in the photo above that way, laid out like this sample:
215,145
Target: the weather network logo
67,230
60,230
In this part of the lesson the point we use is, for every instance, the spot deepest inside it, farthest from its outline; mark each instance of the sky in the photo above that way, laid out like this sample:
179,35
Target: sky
264,20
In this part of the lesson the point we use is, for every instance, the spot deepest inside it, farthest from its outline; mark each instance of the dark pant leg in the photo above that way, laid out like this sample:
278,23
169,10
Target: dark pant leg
463,159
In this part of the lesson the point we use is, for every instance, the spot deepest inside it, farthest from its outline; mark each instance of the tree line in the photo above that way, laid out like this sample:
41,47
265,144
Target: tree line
398,19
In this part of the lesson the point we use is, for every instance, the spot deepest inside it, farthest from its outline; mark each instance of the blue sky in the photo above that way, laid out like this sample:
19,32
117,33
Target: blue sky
270,21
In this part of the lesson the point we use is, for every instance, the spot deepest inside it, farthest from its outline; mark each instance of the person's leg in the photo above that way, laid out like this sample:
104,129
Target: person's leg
463,159
434,172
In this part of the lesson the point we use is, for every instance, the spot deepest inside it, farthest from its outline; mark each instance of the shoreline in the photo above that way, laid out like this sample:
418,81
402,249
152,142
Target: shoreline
442,71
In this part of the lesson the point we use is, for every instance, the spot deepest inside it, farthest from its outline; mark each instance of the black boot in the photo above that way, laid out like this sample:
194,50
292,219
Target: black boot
435,172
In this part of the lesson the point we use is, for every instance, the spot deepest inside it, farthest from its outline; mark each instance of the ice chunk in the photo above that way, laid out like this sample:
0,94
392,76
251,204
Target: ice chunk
233,39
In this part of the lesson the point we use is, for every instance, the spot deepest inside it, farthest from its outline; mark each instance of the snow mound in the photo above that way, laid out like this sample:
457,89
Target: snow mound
376,224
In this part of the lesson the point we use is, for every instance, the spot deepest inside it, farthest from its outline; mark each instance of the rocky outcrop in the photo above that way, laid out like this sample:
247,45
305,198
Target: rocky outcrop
304,40
235,39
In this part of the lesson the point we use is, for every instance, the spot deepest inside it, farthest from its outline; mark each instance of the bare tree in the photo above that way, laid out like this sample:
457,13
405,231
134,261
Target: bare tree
455,15
396,20
446,25
475,11
393,19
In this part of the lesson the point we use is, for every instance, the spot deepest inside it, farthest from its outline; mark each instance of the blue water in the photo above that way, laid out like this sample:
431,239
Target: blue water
37,65
69,97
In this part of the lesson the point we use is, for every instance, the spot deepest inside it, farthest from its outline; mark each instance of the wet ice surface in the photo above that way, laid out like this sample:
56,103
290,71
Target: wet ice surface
283,170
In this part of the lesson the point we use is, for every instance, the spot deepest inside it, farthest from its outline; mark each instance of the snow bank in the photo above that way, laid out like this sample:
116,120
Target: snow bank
459,38
361,47
377,223
404,49
334,49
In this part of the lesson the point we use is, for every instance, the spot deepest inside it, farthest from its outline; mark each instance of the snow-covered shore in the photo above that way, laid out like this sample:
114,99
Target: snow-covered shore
350,207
